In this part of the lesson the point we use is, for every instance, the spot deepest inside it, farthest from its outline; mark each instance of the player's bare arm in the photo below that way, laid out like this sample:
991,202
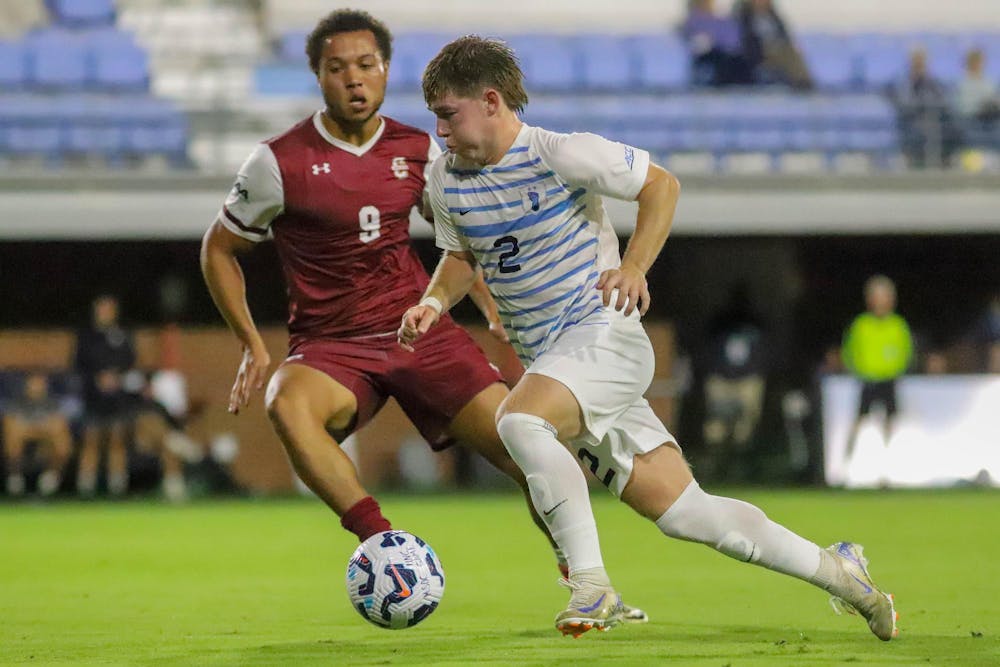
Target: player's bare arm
226,284
452,280
657,202
479,292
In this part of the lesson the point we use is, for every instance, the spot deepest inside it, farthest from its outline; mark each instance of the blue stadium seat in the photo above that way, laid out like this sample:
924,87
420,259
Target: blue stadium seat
606,62
549,62
284,79
292,46
57,60
410,54
662,62
13,65
830,61
82,12
119,63
882,58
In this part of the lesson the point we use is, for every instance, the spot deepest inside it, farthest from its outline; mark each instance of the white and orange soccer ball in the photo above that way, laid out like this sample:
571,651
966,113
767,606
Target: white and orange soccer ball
395,580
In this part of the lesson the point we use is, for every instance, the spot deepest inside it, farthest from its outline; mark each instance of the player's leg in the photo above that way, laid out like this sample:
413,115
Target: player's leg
891,408
303,404
540,412
59,445
475,427
662,489
154,433
117,458
864,407
13,443
90,458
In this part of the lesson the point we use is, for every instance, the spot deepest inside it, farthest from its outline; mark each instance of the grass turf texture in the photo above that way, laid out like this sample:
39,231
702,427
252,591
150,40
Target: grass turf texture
261,582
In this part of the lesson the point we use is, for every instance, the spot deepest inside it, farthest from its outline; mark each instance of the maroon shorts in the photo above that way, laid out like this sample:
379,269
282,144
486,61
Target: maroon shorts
431,384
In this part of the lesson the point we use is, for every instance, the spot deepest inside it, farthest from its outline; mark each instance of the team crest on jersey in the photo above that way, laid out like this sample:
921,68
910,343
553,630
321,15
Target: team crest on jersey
399,167
533,200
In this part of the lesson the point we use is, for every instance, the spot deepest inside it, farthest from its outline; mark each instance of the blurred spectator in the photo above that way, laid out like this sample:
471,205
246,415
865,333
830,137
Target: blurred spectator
19,16
735,365
985,337
877,349
976,96
104,354
768,46
713,41
929,134
35,417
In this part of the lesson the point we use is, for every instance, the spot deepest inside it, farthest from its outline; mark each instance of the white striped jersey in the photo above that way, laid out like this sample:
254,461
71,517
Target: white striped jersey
537,226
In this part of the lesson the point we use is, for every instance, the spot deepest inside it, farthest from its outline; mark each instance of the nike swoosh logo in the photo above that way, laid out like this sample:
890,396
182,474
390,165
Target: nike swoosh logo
868,589
405,592
594,606
464,211
553,508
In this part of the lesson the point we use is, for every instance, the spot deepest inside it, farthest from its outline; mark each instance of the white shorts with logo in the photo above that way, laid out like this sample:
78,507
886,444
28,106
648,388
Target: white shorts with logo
608,367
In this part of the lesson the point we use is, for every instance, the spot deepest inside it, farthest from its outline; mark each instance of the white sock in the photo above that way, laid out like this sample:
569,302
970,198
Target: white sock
558,487
742,531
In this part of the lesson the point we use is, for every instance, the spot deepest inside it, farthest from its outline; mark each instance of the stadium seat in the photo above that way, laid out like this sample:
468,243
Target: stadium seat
410,54
662,62
882,58
82,12
57,60
284,79
13,65
830,61
606,63
549,62
292,46
119,64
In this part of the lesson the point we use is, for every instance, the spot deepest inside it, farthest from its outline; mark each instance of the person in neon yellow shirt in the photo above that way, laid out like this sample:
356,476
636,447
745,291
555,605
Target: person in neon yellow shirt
877,350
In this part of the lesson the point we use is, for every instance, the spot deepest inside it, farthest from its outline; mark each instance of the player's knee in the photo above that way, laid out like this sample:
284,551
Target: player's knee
519,427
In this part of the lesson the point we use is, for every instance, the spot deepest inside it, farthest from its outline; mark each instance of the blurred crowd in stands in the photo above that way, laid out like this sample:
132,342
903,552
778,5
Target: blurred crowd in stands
118,427
67,66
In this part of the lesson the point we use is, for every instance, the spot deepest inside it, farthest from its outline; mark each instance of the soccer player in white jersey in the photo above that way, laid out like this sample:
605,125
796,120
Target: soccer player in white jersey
523,205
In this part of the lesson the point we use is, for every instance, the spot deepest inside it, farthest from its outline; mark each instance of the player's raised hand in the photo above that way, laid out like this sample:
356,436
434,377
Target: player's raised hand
416,322
250,376
633,291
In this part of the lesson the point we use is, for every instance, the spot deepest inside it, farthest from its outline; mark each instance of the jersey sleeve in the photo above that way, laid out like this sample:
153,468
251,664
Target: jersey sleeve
446,235
433,153
593,162
257,197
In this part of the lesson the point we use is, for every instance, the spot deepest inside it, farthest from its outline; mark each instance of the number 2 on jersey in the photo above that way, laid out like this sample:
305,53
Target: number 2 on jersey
504,263
370,221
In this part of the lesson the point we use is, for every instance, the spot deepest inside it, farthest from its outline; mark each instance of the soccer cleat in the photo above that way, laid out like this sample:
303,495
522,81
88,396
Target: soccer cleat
630,614
590,607
856,593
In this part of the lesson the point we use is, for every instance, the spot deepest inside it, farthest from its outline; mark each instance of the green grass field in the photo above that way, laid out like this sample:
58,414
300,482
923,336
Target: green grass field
262,582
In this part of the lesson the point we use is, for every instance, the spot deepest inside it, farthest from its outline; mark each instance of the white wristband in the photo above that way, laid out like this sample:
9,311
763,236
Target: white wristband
433,303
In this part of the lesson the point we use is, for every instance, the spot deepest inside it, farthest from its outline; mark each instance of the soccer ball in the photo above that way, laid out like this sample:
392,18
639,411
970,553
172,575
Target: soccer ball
394,579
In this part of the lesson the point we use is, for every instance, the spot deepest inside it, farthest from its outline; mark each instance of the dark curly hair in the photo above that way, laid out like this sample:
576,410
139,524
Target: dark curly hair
347,20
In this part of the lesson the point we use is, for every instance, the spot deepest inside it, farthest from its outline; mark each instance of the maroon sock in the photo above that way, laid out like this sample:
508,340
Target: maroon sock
364,519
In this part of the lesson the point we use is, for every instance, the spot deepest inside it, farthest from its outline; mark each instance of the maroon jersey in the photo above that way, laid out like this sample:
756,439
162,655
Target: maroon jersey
340,217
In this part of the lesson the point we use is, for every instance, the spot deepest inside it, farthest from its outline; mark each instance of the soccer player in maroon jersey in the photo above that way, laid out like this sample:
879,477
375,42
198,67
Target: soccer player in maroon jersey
334,193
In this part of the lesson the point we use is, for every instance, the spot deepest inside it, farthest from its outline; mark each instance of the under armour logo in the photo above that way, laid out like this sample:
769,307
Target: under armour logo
325,168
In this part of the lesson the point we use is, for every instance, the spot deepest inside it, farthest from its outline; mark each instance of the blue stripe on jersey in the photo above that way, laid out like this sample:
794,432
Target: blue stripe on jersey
550,234
573,309
563,326
525,221
495,170
544,251
555,281
521,275
517,149
494,188
462,210
551,302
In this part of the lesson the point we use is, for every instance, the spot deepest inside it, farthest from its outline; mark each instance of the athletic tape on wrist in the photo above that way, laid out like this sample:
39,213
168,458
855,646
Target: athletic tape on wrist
432,302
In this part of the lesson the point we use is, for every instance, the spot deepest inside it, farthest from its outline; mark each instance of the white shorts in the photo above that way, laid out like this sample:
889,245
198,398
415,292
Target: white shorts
608,367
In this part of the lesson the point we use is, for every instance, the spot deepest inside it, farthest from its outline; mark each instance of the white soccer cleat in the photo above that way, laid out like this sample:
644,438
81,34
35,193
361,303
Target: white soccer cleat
630,614
856,593
590,607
